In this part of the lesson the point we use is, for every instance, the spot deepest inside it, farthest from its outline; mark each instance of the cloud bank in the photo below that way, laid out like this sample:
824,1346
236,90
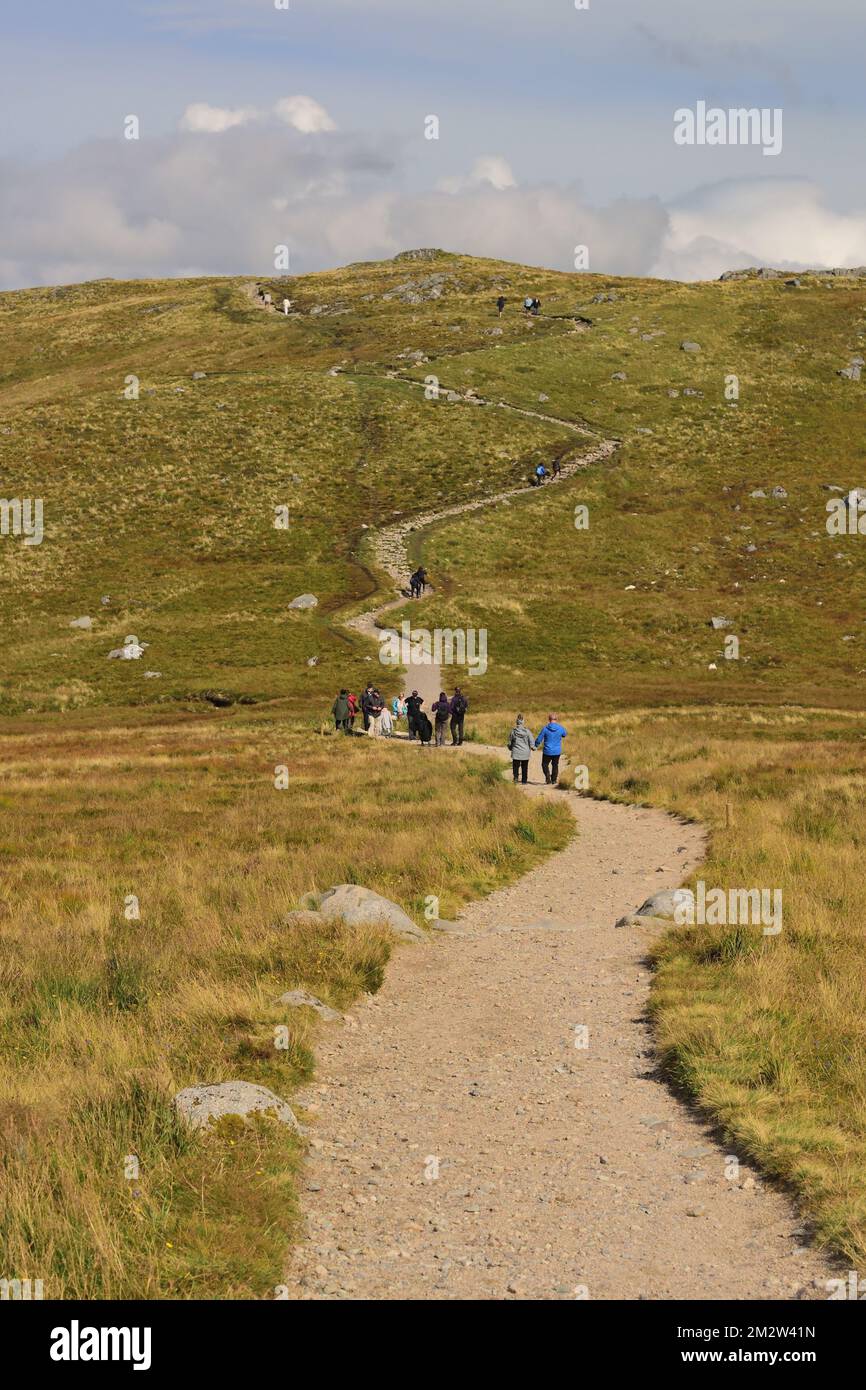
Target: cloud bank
231,184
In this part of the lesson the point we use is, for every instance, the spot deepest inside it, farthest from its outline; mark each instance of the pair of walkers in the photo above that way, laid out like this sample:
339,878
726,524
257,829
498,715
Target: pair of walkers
549,740
418,582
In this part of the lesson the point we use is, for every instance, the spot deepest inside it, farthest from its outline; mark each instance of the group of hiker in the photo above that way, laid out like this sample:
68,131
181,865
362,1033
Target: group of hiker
541,474
266,299
531,305
381,719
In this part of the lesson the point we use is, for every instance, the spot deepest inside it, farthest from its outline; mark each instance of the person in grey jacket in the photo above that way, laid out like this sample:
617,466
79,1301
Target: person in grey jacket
520,743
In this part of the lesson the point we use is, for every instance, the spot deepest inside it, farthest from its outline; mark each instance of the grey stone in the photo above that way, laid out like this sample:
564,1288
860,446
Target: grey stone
718,623
300,999
303,917
688,346
359,906
198,1105
619,376
85,623
779,492
664,904
759,492
304,601
199,376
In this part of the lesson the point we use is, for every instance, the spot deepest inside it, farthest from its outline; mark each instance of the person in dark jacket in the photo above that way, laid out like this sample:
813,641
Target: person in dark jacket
500,304
413,710
375,705
366,700
341,712
550,738
520,747
442,713
459,706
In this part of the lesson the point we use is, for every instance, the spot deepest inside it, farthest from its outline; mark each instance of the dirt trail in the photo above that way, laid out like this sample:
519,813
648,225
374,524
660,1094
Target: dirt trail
491,1124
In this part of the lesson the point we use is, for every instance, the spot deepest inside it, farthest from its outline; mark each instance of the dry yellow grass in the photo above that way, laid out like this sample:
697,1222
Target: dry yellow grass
104,1016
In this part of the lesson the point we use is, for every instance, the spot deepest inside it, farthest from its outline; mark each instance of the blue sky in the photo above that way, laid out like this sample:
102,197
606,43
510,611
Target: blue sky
578,105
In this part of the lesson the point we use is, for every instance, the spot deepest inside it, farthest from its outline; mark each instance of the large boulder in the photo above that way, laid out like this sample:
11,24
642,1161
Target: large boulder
197,1106
361,907
304,601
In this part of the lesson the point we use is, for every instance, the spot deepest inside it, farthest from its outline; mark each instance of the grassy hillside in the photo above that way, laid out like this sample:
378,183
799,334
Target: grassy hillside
165,505
159,521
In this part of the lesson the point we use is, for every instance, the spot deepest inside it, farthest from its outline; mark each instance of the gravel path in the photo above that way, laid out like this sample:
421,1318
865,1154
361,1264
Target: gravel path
464,1147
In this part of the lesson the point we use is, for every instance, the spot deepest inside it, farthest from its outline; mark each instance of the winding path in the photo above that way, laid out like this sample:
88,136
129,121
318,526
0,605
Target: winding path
491,1124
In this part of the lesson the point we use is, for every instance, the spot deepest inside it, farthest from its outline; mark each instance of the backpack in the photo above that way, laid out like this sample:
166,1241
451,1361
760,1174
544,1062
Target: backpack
459,705
425,728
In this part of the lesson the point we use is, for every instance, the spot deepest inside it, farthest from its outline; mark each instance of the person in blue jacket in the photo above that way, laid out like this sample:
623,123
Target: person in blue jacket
550,739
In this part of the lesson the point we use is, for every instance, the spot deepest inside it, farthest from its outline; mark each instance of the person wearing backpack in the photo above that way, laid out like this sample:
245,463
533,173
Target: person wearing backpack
442,713
541,472
550,738
353,710
341,711
459,706
520,747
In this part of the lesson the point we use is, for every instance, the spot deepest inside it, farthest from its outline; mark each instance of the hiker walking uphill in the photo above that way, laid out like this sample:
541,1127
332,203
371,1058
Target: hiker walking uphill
550,740
459,706
500,304
520,745
418,582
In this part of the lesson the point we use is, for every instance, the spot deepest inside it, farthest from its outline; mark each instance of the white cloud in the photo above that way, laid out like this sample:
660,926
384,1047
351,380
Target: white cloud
742,222
490,169
304,114
213,120
158,207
